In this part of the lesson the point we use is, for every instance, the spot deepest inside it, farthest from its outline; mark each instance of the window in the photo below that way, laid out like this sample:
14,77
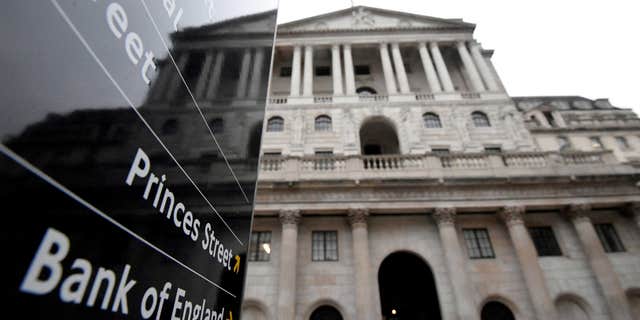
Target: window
596,143
361,70
366,91
622,143
285,72
217,125
440,151
275,124
549,116
545,241
564,143
480,119
478,243
323,71
170,127
609,237
260,246
324,246
323,123
431,120
493,150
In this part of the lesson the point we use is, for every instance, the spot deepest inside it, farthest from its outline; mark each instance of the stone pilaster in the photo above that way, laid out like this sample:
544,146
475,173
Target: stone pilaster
288,270
470,67
307,86
443,73
294,90
463,290
336,70
429,70
362,265
387,70
601,266
513,217
401,73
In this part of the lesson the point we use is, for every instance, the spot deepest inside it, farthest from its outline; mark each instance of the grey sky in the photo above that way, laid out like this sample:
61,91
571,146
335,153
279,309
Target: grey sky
542,47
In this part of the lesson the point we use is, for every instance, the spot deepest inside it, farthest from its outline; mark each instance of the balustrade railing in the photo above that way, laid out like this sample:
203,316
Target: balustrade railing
323,99
373,97
464,161
525,160
581,158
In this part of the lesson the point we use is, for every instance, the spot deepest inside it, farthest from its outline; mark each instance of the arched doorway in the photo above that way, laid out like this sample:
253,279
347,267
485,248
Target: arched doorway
378,136
253,313
494,310
325,313
571,308
407,288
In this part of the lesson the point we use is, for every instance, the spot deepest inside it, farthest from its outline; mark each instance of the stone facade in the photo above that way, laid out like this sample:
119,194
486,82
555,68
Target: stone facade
394,131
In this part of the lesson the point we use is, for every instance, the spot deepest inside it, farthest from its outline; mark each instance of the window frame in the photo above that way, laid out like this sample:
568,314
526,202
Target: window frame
596,140
615,238
431,120
478,246
480,119
275,127
324,242
545,241
622,142
285,72
255,253
317,123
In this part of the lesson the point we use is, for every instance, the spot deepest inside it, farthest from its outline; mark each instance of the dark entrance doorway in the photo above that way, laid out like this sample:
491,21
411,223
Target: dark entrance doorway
407,288
378,136
325,313
495,310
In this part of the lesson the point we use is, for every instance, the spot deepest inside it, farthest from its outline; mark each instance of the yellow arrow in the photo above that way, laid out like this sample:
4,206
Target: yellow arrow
236,268
230,314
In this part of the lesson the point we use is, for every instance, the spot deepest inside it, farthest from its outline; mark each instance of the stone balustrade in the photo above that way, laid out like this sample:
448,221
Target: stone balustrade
441,166
398,97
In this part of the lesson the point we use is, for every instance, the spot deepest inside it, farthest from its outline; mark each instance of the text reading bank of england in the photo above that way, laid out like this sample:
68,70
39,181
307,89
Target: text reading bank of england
399,180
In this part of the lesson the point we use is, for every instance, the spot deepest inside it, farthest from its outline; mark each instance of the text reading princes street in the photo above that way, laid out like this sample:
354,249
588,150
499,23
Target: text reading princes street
175,211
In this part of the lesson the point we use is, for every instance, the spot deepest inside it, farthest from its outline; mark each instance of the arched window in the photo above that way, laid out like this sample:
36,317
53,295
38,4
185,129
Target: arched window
323,123
431,120
170,127
480,119
366,91
217,125
275,124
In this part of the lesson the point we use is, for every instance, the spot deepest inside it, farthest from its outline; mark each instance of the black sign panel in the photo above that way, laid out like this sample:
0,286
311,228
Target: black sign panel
130,141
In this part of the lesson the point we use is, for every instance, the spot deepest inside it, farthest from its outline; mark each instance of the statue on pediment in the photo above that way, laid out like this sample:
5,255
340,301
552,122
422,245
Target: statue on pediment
362,18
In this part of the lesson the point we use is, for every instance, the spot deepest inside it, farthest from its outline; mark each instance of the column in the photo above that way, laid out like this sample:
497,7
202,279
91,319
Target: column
401,73
349,77
484,69
476,82
256,73
543,305
295,72
214,79
336,70
288,257
176,81
429,70
602,268
362,265
162,81
201,86
443,73
463,290
387,70
307,88
245,65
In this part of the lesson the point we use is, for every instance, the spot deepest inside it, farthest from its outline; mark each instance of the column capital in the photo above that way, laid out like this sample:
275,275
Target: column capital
513,215
358,216
445,216
289,217
578,211
335,46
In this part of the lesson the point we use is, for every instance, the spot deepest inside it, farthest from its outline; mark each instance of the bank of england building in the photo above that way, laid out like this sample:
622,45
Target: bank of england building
399,180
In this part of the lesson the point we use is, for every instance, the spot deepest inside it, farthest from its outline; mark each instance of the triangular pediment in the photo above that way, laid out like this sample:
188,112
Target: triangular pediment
368,18
263,22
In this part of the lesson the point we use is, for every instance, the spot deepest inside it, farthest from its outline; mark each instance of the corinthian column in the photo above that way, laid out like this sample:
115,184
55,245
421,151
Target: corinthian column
201,86
602,268
443,73
256,73
241,89
336,70
387,70
476,82
307,87
295,72
214,79
528,258
429,71
463,290
485,72
349,77
288,257
401,73
358,221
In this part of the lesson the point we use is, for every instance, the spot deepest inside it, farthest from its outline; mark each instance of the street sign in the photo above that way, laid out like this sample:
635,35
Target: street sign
130,141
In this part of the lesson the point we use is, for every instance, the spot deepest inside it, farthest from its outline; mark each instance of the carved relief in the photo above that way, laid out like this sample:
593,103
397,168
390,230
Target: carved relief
578,212
289,217
358,216
513,215
445,216
362,18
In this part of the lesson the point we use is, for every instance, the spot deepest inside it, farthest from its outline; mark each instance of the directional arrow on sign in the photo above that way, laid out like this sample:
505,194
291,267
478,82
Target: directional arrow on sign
230,314
236,267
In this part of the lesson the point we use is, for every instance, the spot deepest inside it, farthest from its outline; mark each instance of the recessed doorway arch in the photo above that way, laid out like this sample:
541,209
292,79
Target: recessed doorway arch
407,288
325,312
378,136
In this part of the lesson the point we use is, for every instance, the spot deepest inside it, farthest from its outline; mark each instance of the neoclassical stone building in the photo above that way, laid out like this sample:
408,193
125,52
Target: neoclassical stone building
399,180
